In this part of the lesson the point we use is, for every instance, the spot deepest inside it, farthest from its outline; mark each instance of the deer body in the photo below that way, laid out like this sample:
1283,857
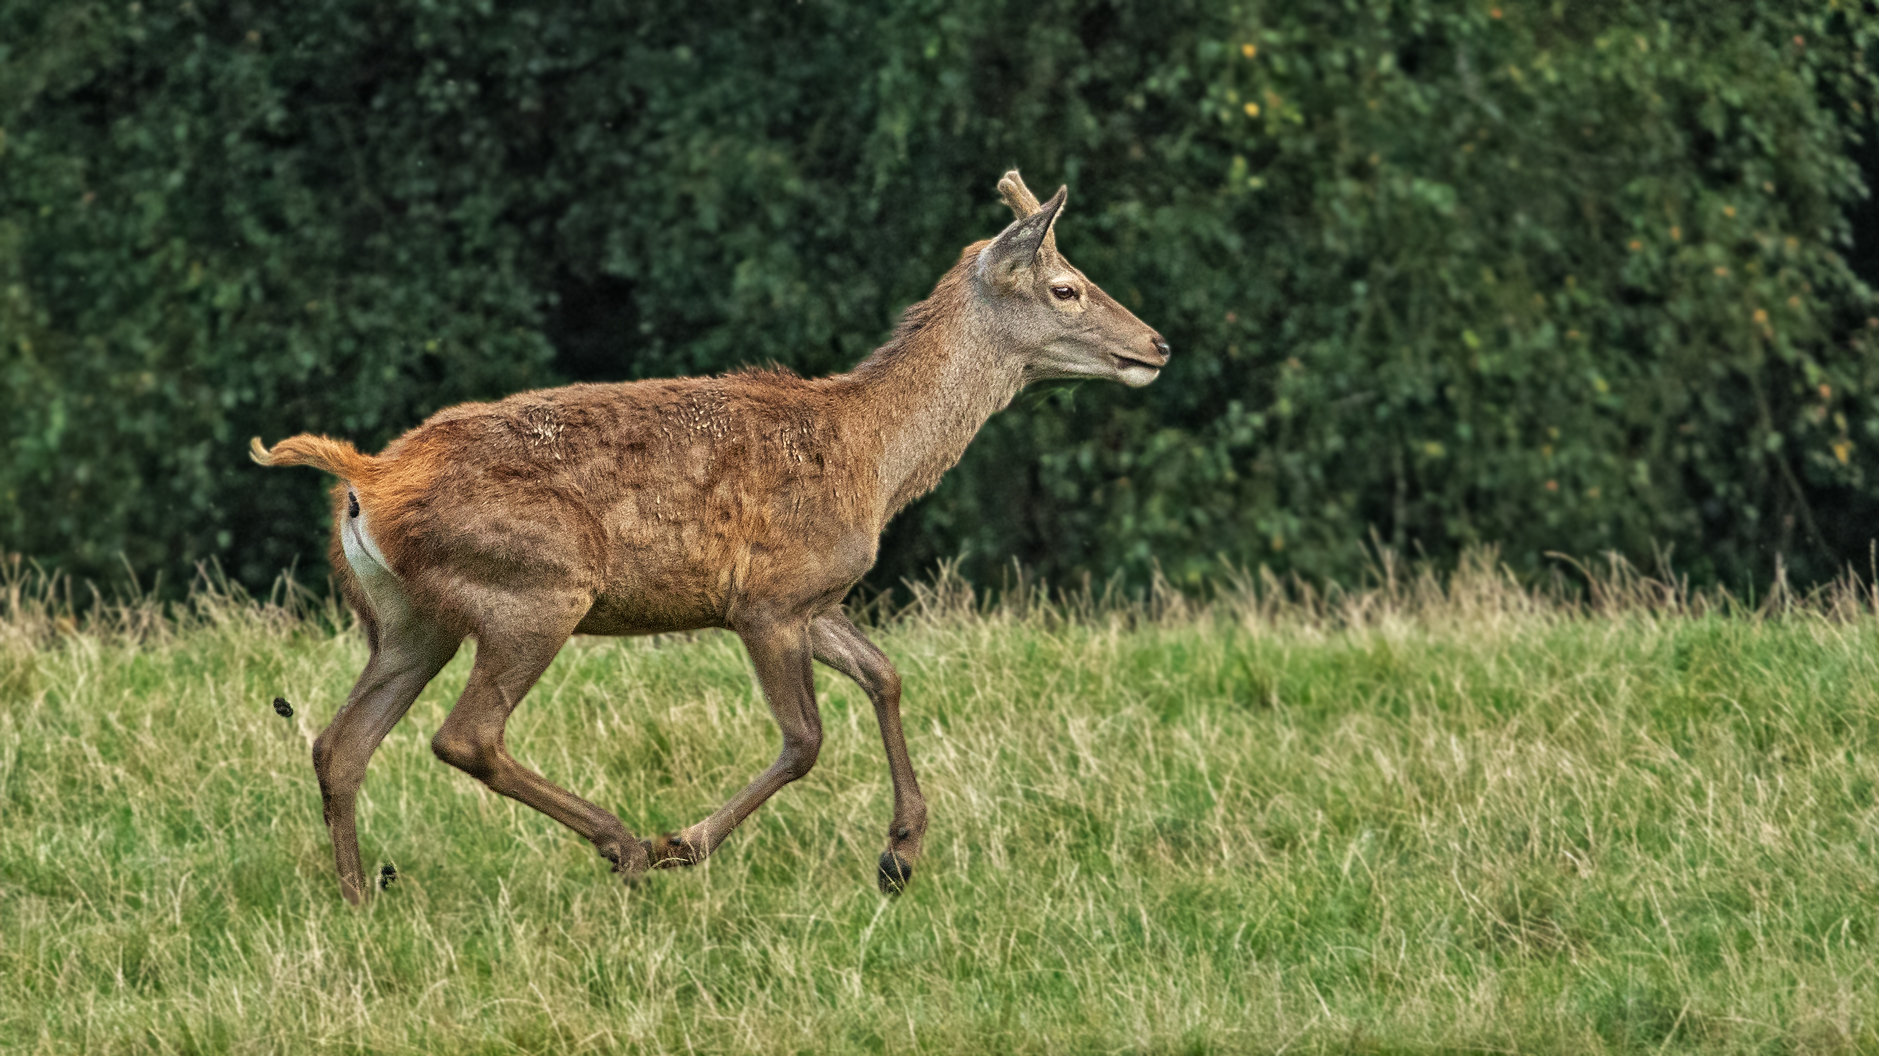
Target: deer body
752,501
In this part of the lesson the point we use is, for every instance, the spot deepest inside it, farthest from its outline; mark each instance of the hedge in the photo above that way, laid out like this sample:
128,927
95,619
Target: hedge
1552,277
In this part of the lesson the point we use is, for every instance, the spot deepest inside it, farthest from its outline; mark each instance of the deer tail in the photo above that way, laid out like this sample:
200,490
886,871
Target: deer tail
337,457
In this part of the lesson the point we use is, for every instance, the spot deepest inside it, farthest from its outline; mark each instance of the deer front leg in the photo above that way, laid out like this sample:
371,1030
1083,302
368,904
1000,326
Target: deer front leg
780,654
841,645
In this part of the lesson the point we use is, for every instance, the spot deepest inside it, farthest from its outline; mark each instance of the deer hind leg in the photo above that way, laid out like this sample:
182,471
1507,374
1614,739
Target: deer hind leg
406,654
780,654
508,662
840,645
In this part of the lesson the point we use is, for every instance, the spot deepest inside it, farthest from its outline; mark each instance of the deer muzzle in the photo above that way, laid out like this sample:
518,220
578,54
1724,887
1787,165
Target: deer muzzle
1136,371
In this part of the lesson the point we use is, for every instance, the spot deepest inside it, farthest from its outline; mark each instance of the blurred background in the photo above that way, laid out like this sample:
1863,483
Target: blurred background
1546,276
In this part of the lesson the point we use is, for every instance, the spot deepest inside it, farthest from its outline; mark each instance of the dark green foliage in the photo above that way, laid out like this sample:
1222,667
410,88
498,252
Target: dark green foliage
1560,277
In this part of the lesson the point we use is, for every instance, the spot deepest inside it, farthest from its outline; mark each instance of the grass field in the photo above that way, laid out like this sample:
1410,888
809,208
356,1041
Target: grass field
1416,818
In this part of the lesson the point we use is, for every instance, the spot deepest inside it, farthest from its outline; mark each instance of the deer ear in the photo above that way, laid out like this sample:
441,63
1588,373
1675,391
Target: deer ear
1016,195
1017,248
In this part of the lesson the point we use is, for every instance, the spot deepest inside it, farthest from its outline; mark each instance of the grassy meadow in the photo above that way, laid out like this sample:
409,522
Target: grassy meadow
1425,816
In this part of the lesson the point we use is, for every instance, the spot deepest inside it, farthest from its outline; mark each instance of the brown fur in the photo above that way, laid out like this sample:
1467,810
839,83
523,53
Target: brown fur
752,501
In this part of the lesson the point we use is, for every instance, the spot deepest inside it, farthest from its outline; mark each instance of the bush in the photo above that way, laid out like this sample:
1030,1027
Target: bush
1562,279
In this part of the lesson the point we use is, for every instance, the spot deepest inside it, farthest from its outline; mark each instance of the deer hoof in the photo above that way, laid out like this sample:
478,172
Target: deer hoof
671,851
896,873
628,856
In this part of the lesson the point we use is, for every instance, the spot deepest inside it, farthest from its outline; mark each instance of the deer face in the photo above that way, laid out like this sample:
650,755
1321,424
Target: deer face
1060,324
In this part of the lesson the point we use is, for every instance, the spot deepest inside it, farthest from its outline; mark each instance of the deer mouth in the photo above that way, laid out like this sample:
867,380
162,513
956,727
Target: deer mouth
1135,372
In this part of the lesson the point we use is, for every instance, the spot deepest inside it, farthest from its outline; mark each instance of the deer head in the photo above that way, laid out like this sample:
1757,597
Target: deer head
1059,322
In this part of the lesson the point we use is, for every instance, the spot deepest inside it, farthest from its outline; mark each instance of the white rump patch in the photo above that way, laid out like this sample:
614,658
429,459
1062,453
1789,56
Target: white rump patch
369,567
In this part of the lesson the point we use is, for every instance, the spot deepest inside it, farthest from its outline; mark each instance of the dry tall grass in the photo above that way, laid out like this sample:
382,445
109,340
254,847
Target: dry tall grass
1433,812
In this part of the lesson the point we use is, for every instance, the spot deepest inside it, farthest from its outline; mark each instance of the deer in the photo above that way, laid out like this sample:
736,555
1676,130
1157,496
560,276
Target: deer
752,501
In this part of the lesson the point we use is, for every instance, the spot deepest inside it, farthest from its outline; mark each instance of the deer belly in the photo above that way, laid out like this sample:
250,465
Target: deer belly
650,612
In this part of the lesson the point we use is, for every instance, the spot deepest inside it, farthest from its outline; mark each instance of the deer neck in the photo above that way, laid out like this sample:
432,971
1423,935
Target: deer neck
928,392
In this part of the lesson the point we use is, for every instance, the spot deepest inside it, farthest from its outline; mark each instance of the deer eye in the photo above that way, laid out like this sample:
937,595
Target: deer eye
1064,293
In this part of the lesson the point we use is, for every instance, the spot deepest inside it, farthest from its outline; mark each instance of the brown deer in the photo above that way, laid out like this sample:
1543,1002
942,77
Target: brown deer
752,502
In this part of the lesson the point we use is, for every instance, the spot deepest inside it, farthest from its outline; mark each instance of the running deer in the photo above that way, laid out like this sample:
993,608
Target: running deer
752,502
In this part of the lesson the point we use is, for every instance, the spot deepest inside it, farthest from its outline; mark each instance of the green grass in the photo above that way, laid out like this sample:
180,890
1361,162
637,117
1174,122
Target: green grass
1413,819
